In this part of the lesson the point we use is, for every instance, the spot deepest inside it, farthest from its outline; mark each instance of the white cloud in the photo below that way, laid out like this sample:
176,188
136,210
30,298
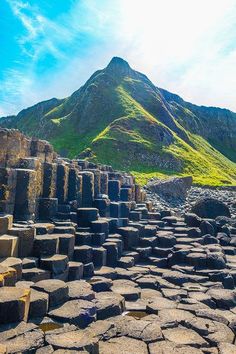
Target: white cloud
187,47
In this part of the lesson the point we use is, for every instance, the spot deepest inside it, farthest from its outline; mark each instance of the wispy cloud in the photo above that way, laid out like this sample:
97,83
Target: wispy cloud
188,47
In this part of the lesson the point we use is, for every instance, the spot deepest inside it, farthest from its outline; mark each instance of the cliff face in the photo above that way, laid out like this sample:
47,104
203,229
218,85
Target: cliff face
119,117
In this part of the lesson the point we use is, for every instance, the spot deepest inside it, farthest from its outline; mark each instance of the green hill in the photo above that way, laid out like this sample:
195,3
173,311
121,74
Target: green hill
119,117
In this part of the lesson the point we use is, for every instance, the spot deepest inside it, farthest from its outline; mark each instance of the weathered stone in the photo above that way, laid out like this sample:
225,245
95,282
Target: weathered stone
114,190
8,246
108,304
86,216
166,347
130,236
47,208
49,180
78,312
14,304
183,336
56,264
45,245
38,304
80,290
210,208
25,195
62,183
75,340
15,263
56,289
75,186
25,237
175,187
66,244
111,253
83,254
8,276
122,345
76,270
99,256
26,343
160,304
88,188
7,190
35,274
6,222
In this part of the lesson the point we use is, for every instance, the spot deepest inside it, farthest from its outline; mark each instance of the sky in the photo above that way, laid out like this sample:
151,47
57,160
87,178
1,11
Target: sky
49,48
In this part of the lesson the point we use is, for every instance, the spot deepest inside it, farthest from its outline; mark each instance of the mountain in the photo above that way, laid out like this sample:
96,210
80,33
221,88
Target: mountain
121,118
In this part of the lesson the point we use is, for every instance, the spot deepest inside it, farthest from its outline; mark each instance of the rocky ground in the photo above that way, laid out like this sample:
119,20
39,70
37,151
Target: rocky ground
93,267
181,205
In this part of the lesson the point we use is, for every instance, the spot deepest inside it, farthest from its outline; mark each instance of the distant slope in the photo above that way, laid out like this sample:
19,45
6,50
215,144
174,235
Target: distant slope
119,117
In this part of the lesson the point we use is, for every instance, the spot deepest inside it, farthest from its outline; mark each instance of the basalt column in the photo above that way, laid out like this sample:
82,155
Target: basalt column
49,180
25,195
7,190
75,186
88,188
62,183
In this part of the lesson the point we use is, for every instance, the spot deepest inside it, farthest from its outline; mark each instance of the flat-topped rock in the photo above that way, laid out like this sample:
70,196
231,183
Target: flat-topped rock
75,340
77,312
184,336
122,345
56,289
108,304
80,289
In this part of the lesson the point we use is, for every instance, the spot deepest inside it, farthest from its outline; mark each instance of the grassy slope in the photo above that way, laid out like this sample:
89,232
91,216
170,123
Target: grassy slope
121,138
204,163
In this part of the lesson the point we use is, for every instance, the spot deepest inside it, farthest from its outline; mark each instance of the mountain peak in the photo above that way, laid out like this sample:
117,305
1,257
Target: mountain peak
119,66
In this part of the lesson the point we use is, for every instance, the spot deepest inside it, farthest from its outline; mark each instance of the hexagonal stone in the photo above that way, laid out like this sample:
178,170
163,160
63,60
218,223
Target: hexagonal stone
8,276
45,245
56,289
224,298
35,274
80,289
122,345
184,336
215,332
25,343
108,304
174,315
14,304
56,264
165,347
146,331
13,262
75,340
38,304
130,293
227,348
77,312
160,304
6,222
8,246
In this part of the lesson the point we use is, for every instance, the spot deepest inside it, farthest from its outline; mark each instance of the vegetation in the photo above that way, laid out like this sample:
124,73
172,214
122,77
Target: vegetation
120,118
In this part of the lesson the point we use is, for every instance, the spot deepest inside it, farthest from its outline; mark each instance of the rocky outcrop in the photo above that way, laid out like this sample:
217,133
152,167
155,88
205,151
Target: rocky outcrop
175,187
100,270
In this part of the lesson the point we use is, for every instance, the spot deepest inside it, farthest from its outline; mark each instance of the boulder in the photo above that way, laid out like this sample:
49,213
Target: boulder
210,208
175,187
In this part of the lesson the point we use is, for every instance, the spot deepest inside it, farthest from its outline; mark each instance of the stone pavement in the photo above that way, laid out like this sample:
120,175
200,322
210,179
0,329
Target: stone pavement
88,265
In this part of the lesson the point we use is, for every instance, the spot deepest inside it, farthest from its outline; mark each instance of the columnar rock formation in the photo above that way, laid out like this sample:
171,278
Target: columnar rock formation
87,265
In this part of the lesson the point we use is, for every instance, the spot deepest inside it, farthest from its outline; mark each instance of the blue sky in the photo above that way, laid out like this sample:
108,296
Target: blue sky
49,48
